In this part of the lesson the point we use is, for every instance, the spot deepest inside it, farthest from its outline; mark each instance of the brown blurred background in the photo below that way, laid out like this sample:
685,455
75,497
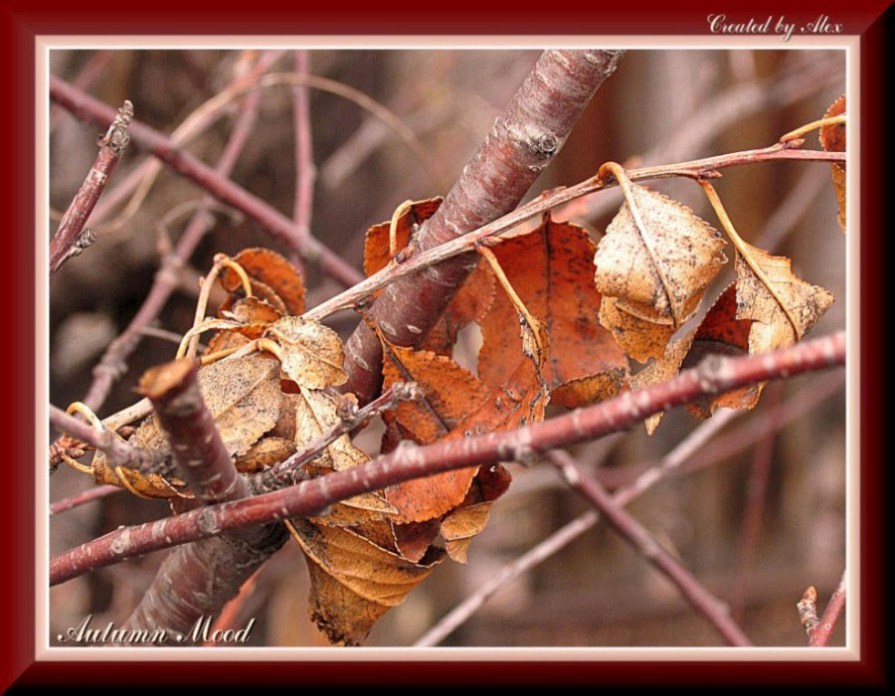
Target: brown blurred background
757,527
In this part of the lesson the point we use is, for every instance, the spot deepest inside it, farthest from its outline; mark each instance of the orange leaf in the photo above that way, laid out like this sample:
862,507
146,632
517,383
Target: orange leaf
376,242
552,271
832,138
273,279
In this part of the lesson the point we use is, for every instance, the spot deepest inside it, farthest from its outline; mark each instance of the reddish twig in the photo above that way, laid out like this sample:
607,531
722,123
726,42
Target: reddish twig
72,237
713,375
820,636
490,234
277,224
289,471
113,363
88,496
87,75
637,535
522,142
305,171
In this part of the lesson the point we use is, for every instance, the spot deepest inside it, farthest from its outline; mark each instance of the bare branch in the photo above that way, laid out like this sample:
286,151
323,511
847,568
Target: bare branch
280,226
820,636
113,363
640,538
72,238
409,461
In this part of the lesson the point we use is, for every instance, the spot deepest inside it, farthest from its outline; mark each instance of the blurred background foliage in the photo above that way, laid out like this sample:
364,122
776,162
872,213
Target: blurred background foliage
757,527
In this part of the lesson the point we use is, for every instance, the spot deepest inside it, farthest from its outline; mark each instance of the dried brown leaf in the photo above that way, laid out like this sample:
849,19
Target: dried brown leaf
782,306
656,259
312,354
354,581
552,271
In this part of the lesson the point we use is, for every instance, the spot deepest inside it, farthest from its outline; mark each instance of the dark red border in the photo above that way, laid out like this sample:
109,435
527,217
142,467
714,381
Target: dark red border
22,21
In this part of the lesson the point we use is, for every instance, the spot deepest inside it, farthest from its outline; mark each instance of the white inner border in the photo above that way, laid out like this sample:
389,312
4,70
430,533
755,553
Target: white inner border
43,651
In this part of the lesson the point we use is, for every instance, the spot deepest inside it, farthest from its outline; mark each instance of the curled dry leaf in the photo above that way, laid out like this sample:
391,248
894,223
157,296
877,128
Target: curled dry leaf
832,138
274,279
656,260
312,355
782,306
552,271
354,581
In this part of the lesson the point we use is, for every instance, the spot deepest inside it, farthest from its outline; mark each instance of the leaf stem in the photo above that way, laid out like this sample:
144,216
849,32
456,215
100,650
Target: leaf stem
745,251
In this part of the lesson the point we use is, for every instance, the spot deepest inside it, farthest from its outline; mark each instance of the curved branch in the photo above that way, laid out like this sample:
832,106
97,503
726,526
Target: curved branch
713,375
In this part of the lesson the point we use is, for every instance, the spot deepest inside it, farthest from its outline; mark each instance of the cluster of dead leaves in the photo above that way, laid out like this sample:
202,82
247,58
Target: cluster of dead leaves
560,318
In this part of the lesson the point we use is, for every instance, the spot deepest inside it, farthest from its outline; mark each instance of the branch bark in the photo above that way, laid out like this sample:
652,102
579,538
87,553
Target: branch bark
523,141
198,579
713,375
72,238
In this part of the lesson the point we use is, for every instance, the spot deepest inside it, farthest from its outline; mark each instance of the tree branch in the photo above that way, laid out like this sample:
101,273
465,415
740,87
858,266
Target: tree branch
820,636
280,226
523,141
713,375
198,579
637,535
113,363
72,238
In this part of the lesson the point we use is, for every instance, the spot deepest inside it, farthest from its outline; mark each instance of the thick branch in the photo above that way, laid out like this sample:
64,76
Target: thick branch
201,455
71,238
409,461
637,535
198,579
280,226
523,141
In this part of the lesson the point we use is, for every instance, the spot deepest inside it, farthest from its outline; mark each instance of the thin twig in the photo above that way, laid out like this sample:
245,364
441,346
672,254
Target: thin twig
756,497
119,452
113,363
491,233
222,188
305,171
409,461
289,471
715,611
820,636
72,237
88,496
